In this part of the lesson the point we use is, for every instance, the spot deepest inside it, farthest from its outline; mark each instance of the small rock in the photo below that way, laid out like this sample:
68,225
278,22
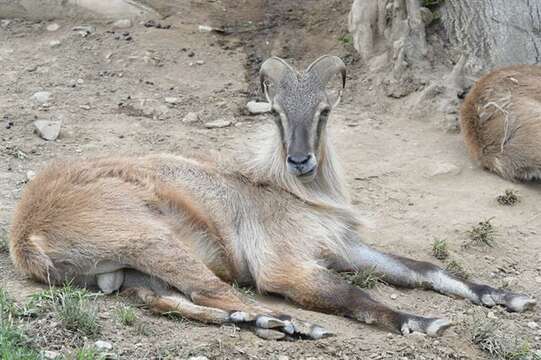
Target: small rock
53,27
85,107
41,97
394,296
190,117
30,175
255,107
199,62
532,325
172,100
538,279
216,124
446,169
4,23
84,30
48,354
80,81
103,345
54,43
48,130
198,358
491,315
122,24
283,357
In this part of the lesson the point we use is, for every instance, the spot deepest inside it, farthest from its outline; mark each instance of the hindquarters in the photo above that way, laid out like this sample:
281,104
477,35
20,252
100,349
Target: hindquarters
501,122
79,220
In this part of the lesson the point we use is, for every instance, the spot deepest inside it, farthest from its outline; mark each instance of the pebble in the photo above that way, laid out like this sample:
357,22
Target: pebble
172,100
216,124
491,315
255,107
48,354
122,24
84,30
53,27
538,279
85,107
103,345
198,358
283,357
394,296
54,43
48,130
4,23
446,169
30,175
190,117
199,62
41,97
532,325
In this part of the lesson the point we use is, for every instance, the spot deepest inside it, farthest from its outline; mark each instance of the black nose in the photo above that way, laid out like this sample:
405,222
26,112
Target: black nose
298,159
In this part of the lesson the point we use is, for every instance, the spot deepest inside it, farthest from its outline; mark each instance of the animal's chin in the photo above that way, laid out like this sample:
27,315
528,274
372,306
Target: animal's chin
305,177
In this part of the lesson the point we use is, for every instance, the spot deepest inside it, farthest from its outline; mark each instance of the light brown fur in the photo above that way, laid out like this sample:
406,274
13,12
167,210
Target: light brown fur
178,232
501,122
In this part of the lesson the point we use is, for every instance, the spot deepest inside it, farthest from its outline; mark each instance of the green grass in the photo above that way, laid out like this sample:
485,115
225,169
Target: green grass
483,234
85,353
246,290
14,344
509,198
490,337
439,249
4,246
126,315
74,307
365,278
456,269
346,39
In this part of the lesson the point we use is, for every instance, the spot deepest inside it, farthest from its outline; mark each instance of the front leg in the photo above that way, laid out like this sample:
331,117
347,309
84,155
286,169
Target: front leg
410,273
320,289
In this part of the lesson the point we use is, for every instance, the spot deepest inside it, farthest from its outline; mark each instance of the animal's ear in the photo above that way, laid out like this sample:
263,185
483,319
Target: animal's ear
325,69
273,72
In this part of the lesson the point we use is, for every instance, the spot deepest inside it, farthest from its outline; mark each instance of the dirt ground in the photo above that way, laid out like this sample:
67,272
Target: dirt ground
411,180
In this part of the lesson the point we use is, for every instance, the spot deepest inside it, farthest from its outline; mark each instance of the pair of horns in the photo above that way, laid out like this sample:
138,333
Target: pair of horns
325,67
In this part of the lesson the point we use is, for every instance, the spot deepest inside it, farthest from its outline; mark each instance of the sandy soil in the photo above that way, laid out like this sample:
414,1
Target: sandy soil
411,180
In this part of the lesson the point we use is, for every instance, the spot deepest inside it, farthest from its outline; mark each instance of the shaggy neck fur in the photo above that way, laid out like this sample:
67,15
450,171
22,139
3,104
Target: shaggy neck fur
265,163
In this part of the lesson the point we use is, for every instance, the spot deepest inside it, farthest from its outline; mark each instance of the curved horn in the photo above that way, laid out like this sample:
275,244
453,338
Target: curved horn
326,67
274,69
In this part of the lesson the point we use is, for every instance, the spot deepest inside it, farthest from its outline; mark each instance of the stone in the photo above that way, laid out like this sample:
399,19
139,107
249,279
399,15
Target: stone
53,27
199,62
54,43
198,358
103,345
394,296
217,124
190,117
255,107
84,30
446,169
4,23
48,130
41,97
30,175
532,325
48,354
283,357
491,315
172,100
122,24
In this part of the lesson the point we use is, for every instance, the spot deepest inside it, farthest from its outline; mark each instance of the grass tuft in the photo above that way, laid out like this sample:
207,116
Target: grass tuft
365,278
456,269
346,39
126,315
86,353
487,334
509,198
483,233
75,308
439,249
14,344
4,246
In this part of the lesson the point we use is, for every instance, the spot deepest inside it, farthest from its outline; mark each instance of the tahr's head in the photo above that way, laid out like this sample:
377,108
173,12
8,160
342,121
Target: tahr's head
301,106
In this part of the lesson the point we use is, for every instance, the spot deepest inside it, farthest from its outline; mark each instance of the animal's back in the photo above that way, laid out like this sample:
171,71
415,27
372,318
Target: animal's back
501,122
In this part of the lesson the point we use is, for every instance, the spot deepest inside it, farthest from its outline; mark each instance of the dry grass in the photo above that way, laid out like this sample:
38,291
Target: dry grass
365,278
439,249
456,269
126,315
491,337
483,234
509,198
